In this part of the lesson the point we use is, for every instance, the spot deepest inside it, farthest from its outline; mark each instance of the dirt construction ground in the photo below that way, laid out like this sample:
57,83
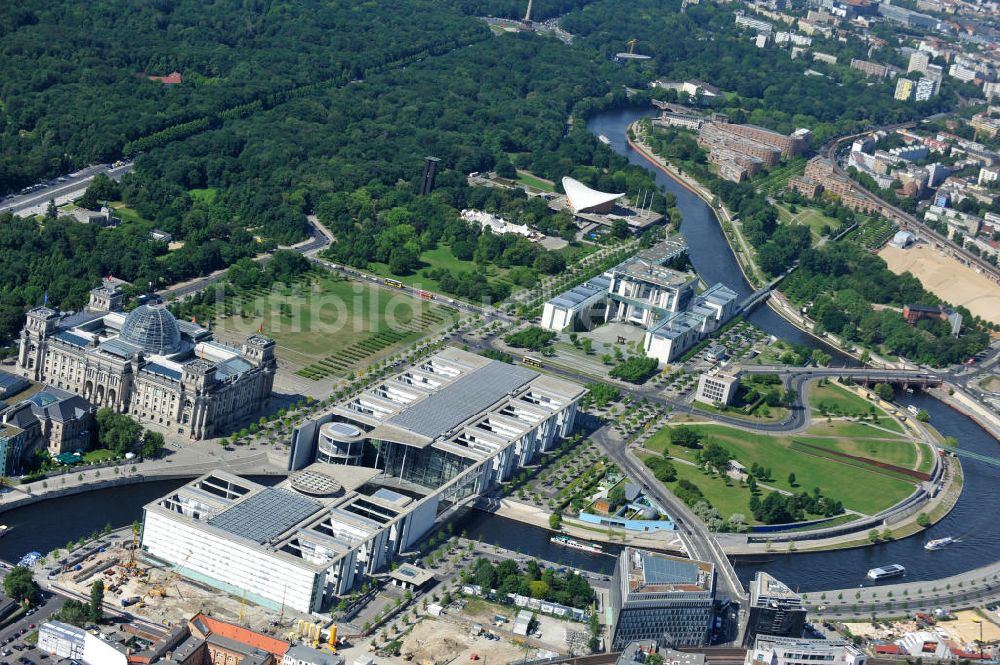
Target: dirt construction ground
965,627
168,599
946,278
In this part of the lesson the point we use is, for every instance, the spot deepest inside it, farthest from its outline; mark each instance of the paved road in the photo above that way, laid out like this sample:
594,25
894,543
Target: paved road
13,635
906,219
698,540
486,311
318,239
70,187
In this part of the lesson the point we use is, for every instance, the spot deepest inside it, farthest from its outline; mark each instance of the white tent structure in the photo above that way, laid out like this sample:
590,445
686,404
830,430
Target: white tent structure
584,199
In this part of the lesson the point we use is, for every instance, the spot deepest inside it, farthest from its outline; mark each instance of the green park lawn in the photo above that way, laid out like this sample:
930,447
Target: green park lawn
811,217
837,397
530,180
898,452
98,455
206,195
439,257
727,499
329,314
860,487
857,428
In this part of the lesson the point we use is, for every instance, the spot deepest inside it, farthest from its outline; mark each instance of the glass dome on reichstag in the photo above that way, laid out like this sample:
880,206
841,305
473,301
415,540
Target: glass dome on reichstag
153,329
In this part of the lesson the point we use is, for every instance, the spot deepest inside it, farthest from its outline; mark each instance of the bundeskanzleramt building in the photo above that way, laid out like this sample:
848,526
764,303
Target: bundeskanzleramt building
644,291
148,364
664,598
370,478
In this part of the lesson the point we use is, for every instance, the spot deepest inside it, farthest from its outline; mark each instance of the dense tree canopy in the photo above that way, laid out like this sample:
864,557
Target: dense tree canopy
842,280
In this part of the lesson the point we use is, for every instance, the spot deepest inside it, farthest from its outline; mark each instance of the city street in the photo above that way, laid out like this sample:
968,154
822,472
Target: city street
61,190
12,644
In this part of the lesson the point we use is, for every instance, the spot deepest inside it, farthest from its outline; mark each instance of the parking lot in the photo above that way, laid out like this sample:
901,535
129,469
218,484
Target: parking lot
14,647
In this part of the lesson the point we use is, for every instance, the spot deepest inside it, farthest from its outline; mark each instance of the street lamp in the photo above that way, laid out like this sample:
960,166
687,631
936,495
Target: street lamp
980,645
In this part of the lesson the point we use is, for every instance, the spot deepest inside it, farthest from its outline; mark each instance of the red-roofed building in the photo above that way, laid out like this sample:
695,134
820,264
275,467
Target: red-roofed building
968,655
887,649
174,78
229,643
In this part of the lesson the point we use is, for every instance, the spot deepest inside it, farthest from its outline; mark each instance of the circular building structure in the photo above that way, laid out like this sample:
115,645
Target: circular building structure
153,329
312,482
340,443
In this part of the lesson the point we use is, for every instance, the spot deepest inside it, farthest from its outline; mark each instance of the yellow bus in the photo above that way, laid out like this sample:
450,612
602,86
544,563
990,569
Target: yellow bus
394,283
531,362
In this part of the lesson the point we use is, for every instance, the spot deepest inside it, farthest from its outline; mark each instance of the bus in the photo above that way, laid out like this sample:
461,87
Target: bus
426,295
531,362
394,283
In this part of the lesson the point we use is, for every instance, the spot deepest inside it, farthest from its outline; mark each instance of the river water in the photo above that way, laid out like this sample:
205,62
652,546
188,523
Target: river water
50,524
709,251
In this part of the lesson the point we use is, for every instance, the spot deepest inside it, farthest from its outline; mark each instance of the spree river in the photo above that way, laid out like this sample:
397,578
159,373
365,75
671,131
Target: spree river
708,249
50,524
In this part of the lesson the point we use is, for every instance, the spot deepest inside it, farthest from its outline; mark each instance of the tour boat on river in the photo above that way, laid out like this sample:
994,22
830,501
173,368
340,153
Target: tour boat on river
566,541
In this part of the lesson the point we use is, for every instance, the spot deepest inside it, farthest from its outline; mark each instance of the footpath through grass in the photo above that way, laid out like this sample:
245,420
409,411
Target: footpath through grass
328,325
859,486
439,257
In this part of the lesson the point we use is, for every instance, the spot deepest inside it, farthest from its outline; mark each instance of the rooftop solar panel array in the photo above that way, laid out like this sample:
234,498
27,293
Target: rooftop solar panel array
265,515
658,570
461,400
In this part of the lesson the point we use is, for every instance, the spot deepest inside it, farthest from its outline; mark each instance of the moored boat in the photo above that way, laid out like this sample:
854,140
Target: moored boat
566,541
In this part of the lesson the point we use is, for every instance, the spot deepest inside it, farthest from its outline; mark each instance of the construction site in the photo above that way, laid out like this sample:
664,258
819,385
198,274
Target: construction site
159,594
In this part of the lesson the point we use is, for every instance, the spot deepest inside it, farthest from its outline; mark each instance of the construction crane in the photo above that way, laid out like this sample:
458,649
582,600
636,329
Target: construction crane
131,564
631,45
160,590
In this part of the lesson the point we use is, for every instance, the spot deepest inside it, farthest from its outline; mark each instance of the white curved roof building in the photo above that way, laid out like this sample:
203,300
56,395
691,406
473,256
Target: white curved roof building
584,199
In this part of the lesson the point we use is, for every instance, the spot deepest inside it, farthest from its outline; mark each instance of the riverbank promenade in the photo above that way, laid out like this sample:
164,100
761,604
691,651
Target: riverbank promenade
969,589
187,461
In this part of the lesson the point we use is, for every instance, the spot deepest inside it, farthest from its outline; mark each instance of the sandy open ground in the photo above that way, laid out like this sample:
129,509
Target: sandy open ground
965,627
946,278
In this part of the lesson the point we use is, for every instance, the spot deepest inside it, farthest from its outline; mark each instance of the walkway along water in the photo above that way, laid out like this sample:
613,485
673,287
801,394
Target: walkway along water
714,261
49,525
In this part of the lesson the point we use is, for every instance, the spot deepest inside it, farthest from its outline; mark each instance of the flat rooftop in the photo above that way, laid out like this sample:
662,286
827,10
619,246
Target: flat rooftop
649,572
766,587
676,325
410,574
665,250
265,515
461,400
581,293
320,479
648,271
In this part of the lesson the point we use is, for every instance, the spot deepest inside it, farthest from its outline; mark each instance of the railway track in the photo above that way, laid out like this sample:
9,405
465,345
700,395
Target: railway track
717,655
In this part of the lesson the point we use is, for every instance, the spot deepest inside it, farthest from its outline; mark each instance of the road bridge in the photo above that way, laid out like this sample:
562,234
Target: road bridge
718,655
905,378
